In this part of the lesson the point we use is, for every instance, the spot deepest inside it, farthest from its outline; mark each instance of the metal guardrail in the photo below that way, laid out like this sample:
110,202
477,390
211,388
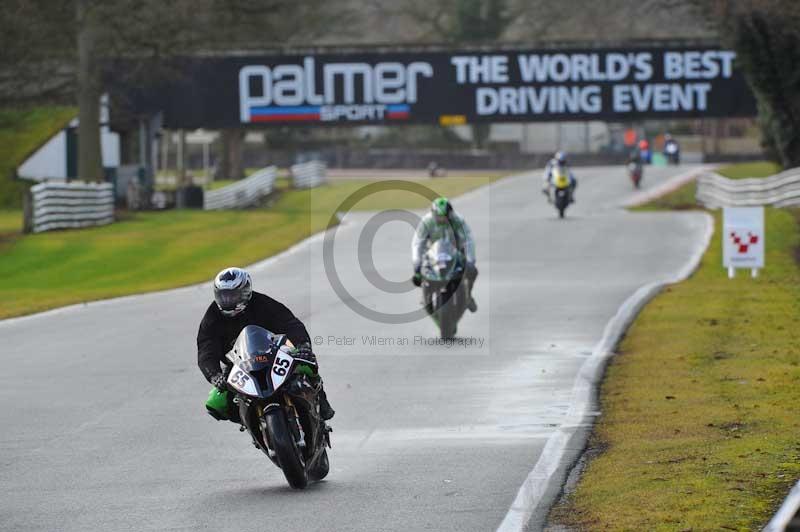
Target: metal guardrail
309,175
68,205
244,193
781,190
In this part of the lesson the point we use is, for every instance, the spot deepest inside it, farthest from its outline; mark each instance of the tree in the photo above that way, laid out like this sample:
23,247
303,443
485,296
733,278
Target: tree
766,37
56,49
462,22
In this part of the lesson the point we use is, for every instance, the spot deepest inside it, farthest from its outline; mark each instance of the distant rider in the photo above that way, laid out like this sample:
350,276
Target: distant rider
559,159
672,150
635,157
444,222
644,149
235,306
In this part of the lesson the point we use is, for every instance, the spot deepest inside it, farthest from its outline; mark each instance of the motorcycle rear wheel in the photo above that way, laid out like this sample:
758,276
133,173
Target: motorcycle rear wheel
286,450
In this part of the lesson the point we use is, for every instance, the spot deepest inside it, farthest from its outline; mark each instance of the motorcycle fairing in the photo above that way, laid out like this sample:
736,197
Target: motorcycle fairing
260,363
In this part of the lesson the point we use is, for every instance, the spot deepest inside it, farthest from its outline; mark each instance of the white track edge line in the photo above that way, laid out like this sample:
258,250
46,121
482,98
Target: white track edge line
532,491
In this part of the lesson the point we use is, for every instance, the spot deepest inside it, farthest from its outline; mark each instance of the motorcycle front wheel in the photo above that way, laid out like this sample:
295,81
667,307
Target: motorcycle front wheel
447,320
286,450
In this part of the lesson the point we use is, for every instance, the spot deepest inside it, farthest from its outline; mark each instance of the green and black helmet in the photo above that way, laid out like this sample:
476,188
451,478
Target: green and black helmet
440,208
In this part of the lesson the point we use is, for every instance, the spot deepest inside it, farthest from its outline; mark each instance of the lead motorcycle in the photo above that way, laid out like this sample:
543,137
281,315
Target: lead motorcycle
278,404
445,290
562,195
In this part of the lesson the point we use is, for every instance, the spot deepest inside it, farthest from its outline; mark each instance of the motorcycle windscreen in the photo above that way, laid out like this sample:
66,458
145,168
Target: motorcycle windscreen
255,348
441,260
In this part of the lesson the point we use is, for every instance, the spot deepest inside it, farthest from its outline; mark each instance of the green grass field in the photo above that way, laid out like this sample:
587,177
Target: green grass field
158,250
21,132
699,429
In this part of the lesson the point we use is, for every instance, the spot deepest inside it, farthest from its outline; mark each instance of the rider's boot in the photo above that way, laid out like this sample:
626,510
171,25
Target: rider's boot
472,305
326,412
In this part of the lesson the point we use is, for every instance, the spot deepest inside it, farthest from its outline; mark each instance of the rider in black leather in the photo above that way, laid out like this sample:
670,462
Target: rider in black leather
235,306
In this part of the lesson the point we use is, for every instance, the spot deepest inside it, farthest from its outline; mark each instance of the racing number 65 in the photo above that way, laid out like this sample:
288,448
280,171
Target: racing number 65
240,378
280,367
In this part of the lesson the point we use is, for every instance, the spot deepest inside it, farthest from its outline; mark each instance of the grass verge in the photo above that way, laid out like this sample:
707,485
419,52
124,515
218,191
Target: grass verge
699,429
21,132
159,250
754,169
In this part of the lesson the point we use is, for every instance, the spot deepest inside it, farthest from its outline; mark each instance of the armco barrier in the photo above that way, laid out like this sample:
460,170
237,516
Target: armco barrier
244,193
309,175
69,205
781,190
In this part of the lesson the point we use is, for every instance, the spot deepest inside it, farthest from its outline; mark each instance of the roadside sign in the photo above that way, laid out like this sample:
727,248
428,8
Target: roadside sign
743,239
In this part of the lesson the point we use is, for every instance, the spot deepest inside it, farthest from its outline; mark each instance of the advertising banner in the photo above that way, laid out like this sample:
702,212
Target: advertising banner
455,87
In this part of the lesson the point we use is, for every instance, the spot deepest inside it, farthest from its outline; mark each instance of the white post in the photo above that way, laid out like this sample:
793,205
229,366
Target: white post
754,272
206,161
181,163
164,150
731,272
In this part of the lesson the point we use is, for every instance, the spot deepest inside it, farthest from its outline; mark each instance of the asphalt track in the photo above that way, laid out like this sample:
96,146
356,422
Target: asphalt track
103,425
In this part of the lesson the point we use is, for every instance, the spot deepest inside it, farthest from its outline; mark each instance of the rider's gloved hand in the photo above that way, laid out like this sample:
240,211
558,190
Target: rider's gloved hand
219,382
417,279
306,354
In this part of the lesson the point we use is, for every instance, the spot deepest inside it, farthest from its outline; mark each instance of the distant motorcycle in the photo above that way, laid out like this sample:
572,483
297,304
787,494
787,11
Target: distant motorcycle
635,172
445,290
278,404
562,193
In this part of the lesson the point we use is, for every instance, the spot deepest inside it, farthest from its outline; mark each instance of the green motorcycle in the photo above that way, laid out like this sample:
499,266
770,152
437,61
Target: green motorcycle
445,291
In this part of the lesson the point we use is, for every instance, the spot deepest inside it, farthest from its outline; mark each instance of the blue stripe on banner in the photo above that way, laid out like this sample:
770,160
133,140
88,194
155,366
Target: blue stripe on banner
402,108
299,110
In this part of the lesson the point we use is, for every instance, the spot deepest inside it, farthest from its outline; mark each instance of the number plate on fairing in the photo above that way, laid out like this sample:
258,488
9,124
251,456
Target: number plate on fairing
241,381
280,368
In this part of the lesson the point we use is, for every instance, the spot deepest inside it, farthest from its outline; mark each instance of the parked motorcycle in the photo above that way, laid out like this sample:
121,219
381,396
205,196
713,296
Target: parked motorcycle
635,172
278,404
445,290
562,193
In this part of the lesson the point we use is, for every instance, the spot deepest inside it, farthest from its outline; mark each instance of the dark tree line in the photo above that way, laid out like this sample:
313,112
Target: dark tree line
766,37
55,50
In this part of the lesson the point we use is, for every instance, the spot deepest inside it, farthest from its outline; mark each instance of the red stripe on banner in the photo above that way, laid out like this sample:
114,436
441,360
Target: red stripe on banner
284,118
398,114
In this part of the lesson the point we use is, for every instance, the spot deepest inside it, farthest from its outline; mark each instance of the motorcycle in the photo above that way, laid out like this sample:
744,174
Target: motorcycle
635,172
561,184
278,404
445,290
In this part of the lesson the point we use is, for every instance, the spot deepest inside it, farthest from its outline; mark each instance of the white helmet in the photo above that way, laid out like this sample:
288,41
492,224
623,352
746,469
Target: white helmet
233,289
